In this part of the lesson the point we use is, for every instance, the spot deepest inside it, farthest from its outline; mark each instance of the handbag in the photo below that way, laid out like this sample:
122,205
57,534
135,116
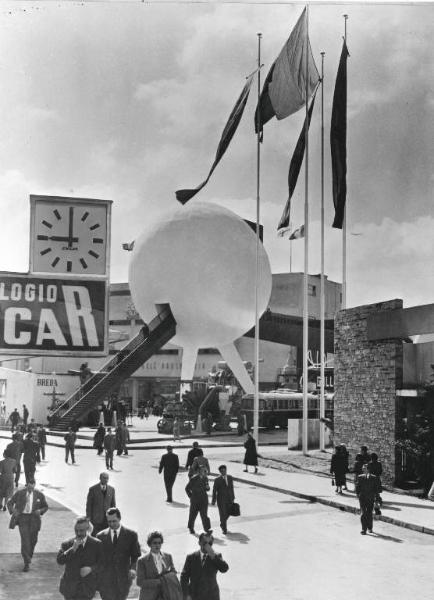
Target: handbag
377,509
170,587
234,510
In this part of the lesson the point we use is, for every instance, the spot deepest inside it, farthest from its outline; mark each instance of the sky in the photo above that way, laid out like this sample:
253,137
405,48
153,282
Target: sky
126,101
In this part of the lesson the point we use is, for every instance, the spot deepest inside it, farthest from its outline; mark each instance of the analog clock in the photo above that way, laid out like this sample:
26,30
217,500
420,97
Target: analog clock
69,235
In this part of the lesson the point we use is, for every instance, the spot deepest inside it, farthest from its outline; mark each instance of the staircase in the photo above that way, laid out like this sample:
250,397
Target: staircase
150,338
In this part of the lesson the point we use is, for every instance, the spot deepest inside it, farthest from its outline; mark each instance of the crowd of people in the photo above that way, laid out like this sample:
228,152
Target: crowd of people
102,554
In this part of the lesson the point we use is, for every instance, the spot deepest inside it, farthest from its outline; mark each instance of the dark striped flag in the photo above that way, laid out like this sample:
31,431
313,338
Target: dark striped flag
338,140
294,171
184,196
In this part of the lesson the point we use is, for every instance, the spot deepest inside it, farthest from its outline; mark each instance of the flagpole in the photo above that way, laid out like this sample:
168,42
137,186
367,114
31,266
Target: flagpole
322,301
306,249
290,256
258,181
344,225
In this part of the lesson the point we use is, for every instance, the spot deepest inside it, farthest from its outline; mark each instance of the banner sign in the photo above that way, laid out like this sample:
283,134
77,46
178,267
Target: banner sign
52,315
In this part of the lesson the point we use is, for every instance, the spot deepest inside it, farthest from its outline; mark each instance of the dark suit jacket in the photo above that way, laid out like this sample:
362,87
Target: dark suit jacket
192,455
197,488
31,451
17,504
110,442
222,492
201,581
118,560
367,487
97,503
148,578
169,463
72,585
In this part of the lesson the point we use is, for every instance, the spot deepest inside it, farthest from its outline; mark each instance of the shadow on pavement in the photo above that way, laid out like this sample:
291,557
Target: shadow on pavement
388,538
178,504
238,537
428,506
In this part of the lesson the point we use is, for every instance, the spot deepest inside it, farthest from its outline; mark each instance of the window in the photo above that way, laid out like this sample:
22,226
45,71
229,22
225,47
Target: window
311,289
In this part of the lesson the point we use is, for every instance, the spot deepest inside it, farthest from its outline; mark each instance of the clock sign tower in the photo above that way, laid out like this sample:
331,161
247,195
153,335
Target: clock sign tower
69,235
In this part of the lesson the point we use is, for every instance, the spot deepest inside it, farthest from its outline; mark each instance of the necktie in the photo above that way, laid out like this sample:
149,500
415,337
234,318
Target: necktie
203,559
115,538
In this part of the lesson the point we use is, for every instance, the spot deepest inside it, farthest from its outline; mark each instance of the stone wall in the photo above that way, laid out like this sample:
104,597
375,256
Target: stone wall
367,375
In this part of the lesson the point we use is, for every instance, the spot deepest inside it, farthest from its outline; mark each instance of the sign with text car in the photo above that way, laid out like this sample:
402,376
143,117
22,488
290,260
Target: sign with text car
53,315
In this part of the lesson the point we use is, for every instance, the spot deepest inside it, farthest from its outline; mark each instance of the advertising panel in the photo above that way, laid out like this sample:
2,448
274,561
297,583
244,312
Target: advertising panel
53,315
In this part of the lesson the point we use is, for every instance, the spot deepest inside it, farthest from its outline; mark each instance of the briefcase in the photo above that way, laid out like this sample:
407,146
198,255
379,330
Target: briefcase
234,510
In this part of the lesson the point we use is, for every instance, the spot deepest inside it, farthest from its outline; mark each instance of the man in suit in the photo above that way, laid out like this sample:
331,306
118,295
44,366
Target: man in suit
169,464
110,447
31,456
195,451
15,450
367,487
197,489
100,498
223,493
41,435
70,439
27,506
121,551
83,558
199,575
25,415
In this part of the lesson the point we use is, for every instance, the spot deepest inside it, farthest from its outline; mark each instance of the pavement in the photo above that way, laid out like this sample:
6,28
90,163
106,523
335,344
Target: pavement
41,583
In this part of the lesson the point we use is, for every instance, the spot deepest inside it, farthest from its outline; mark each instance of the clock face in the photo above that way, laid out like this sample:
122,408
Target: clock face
69,237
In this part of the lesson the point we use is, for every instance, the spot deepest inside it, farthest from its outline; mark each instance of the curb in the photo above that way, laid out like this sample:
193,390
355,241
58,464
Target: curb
333,504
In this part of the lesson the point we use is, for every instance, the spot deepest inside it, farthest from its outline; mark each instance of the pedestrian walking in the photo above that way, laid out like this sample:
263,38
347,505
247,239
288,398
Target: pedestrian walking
357,469
223,494
14,418
156,574
199,575
121,551
41,436
100,498
198,462
209,422
98,439
196,490
251,454
110,447
376,468
195,451
70,439
15,450
366,457
31,456
124,439
83,558
8,467
25,415
176,429
169,466
26,507
366,490
339,468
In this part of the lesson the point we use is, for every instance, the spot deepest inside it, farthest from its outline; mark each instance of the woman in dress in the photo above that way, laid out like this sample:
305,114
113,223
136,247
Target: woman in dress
251,455
156,574
8,467
339,468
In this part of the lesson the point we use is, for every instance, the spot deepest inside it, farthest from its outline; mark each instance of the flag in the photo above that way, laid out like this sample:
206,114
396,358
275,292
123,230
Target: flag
128,247
297,234
284,91
294,169
338,140
184,196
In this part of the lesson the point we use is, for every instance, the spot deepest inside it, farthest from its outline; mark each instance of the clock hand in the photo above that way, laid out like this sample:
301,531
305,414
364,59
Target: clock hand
61,238
71,225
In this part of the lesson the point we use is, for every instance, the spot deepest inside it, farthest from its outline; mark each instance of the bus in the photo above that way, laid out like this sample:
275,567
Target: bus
276,407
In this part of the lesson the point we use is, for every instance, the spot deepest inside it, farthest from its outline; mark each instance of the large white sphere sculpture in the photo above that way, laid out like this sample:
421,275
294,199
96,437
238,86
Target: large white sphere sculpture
200,259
